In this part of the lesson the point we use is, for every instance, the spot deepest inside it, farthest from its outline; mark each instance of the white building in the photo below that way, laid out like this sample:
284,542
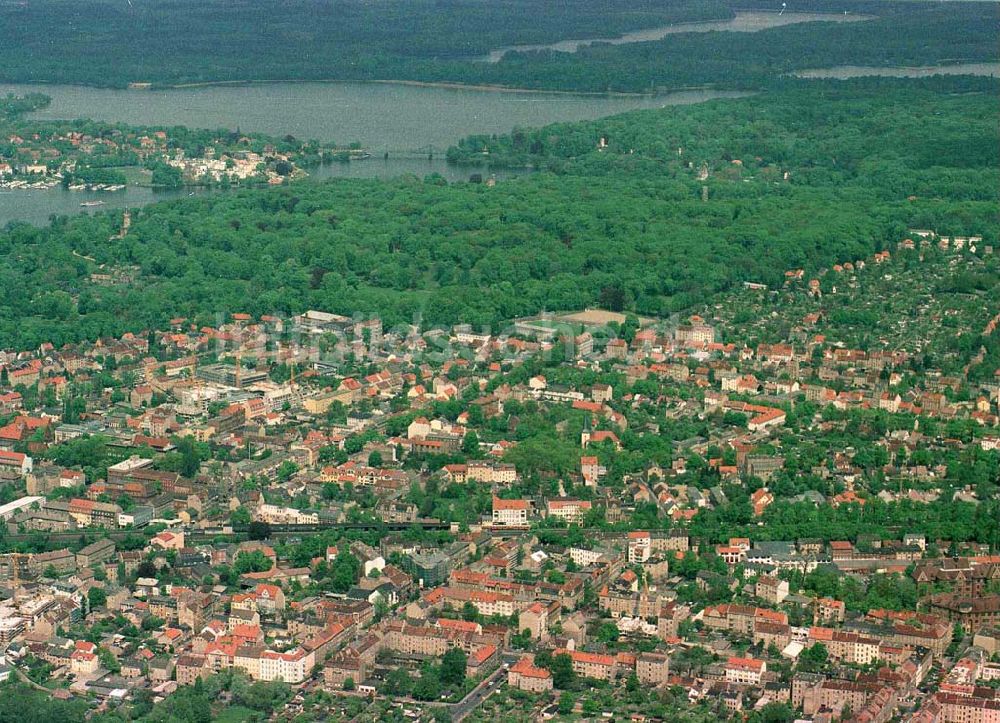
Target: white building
276,515
745,671
510,513
18,461
640,546
8,510
291,667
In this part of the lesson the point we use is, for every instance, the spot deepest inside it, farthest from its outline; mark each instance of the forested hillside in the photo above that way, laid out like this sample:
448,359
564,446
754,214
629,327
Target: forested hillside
182,41
641,238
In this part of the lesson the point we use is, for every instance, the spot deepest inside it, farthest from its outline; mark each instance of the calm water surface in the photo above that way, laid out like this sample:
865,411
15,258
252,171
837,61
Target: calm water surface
411,123
743,22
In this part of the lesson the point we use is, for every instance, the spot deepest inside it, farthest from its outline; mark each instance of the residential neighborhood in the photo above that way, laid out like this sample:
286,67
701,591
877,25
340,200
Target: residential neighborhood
767,504
91,156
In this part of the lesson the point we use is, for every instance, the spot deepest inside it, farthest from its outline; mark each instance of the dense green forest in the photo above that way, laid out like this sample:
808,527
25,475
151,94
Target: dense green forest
113,43
864,161
182,41
19,702
827,132
908,34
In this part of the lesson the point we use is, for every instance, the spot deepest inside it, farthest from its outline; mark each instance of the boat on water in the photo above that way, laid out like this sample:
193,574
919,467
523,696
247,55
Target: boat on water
89,204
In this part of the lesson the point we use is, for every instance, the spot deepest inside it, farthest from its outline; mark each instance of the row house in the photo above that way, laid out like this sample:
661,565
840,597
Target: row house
356,661
95,552
617,603
16,462
597,665
972,613
195,609
909,629
768,634
486,603
837,695
965,576
494,473
407,639
740,618
265,599
771,589
958,708
190,668
62,561
91,514
468,579
87,513
435,640
291,667
322,643
848,647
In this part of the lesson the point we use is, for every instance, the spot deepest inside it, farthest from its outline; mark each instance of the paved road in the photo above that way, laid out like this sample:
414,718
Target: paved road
25,679
484,690
197,534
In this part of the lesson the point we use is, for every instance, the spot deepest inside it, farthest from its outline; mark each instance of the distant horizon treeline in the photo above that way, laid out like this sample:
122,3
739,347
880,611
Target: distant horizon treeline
181,41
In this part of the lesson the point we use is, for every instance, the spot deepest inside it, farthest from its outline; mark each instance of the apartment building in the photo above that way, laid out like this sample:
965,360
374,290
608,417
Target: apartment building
838,695
591,665
848,647
486,602
669,619
652,668
828,610
537,617
771,589
510,513
640,547
290,667
95,552
745,671
524,675
740,618
570,510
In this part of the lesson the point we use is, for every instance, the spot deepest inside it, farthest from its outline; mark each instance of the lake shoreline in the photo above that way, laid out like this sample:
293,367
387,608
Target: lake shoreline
849,72
659,32
634,36
441,84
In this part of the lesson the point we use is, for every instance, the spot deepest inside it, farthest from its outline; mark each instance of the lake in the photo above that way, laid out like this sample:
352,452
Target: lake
743,22
409,122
